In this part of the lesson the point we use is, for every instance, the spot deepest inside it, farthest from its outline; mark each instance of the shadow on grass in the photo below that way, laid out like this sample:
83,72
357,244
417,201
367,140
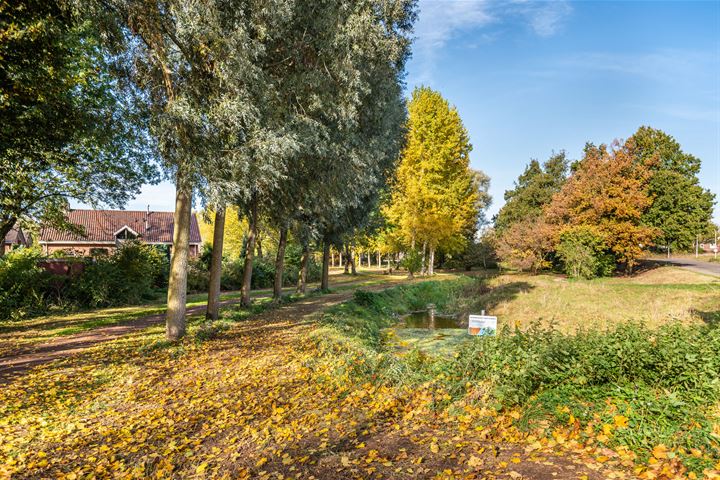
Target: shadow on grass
483,297
710,318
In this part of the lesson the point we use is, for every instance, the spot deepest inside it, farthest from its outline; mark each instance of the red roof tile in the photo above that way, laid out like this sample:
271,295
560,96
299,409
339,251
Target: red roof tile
101,226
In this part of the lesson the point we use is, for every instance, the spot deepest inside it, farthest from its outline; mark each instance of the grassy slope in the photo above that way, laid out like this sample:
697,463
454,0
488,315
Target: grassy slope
649,395
659,296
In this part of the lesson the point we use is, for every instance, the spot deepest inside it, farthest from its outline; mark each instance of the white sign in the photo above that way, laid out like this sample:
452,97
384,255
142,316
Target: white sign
482,325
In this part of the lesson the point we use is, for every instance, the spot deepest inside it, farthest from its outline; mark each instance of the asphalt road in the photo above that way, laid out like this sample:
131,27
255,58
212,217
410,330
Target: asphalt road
700,266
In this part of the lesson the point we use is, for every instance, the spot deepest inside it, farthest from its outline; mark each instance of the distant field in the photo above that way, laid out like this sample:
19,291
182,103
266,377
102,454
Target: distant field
655,297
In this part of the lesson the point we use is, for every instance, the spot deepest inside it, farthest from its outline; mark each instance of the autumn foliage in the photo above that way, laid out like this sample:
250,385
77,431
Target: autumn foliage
614,205
608,190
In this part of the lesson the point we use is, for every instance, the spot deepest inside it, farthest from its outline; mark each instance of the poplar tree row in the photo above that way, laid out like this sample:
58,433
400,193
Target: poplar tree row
288,110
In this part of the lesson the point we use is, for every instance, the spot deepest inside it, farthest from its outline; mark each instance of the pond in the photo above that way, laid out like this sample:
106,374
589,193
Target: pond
431,320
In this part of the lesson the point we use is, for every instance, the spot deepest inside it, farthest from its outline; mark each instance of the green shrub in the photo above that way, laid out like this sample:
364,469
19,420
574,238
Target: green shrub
412,262
129,275
264,273
583,252
198,275
23,284
521,363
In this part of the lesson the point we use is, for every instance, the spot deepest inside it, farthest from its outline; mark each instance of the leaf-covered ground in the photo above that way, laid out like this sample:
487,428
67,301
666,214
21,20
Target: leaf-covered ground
259,398
251,403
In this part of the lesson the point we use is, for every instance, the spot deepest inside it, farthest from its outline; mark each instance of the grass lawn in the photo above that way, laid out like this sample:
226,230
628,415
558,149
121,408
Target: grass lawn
24,333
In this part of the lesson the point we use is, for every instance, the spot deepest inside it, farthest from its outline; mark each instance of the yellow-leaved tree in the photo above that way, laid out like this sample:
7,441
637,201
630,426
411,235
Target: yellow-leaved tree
435,199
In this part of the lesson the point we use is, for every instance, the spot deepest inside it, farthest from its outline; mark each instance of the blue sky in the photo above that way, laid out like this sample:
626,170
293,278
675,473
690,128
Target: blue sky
532,77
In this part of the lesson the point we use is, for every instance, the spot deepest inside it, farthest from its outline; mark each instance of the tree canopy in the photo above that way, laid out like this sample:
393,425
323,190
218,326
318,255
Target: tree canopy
436,196
71,128
533,190
681,209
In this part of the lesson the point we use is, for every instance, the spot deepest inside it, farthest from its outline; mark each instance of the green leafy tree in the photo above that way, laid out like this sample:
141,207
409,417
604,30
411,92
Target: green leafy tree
192,62
681,209
533,190
70,129
584,252
363,133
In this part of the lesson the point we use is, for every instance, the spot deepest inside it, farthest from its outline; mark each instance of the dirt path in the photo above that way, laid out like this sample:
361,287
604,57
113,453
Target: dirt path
20,361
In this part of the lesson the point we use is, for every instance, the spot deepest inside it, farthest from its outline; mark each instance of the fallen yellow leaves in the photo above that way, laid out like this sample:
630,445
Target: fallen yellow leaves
621,421
266,403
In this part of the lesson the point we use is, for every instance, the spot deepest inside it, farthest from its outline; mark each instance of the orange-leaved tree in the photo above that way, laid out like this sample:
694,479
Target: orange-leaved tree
608,190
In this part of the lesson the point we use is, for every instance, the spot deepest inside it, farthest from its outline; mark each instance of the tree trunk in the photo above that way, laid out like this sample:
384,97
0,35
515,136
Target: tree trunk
213,304
177,282
280,264
249,251
332,258
302,278
353,269
368,259
431,261
325,279
423,266
341,259
348,259
258,242
379,260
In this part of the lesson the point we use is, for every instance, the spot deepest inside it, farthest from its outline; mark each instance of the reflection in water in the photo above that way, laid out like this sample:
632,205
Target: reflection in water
430,319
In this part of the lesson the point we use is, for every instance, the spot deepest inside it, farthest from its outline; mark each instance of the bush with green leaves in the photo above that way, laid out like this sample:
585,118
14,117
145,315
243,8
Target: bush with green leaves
412,262
583,253
23,284
129,275
264,271
198,275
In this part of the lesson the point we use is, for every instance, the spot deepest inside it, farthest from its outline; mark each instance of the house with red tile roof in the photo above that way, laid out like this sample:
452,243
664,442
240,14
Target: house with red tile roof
103,230
14,238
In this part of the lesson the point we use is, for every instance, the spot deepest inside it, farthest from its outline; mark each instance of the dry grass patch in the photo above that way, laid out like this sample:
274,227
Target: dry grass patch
660,296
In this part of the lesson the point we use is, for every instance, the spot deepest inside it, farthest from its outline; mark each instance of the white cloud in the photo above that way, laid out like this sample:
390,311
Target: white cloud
545,18
441,20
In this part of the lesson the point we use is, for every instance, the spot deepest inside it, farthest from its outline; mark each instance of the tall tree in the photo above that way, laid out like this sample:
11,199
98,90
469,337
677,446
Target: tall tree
213,303
435,198
362,135
192,61
69,128
534,189
681,209
233,234
608,190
